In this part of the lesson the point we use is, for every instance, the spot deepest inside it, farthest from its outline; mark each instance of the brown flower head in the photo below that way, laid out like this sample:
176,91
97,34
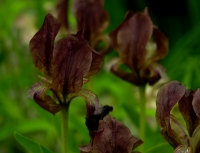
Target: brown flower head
140,46
66,67
93,19
111,137
183,139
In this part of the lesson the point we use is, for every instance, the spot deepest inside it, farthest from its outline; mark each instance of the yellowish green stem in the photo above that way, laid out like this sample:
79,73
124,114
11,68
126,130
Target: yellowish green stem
64,126
142,115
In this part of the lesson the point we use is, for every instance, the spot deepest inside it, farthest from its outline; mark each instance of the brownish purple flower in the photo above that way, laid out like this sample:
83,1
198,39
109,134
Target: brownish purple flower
93,19
66,67
111,137
140,46
181,138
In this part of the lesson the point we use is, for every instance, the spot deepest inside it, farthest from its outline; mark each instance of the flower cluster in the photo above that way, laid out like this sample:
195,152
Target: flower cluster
183,139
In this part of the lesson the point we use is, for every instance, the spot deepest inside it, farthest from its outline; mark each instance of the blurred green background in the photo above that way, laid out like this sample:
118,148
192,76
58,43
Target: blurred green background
21,19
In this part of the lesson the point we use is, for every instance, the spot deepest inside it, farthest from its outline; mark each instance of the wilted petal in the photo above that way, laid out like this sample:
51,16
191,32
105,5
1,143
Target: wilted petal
42,44
92,102
167,97
90,16
62,9
131,37
187,111
72,61
111,137
38,91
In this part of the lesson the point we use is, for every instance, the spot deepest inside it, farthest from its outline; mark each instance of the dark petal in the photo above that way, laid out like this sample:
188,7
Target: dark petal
131,77
187,111
167,97
111,137
97,60
38,91
92,121
152,73
172,135
62,9
91,17
72,62
196,102
92,102
131,37
47,103
42,44
162,44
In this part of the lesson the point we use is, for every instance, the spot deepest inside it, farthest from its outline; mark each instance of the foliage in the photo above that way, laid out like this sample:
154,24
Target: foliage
19,22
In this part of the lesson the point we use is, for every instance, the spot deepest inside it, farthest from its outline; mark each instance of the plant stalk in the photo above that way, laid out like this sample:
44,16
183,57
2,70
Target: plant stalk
142,115
64,126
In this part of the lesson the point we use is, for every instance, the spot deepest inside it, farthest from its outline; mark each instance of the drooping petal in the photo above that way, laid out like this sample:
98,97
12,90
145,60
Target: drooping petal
111,137
72,61
91,17
167,97
187,111
127,76
42,44
38,91
131,37
92,102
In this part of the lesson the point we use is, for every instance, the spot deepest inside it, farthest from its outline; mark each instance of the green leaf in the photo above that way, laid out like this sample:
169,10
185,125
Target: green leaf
30,144
164,148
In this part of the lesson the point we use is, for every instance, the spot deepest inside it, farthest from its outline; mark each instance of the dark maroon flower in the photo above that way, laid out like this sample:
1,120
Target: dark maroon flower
111,137
93,19
140,46
183,139
66,67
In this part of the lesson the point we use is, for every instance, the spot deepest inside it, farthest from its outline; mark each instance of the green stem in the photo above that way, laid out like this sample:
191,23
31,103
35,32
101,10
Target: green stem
142,115
64,126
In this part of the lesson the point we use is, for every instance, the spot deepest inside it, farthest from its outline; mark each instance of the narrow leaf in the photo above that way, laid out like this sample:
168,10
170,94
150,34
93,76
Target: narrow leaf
30,144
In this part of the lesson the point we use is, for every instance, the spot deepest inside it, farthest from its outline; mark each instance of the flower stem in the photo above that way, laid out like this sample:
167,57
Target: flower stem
142,115
64,126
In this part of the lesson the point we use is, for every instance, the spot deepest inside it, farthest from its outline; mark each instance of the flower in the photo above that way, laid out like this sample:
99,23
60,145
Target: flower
140,46
93,19
66,67
111,136
181,138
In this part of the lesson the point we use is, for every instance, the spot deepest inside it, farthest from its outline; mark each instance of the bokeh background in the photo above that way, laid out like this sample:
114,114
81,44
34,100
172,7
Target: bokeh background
21,19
